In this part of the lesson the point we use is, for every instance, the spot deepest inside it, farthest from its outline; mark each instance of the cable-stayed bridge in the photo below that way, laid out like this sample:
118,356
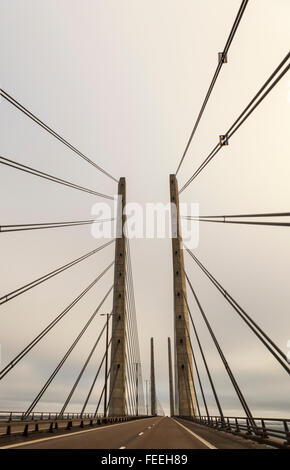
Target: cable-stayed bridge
127,414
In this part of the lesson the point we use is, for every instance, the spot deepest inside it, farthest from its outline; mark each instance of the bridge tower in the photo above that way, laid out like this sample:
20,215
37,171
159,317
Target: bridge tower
152,381
117,406
185,398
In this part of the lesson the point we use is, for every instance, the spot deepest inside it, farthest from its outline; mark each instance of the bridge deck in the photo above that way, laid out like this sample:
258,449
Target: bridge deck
149,433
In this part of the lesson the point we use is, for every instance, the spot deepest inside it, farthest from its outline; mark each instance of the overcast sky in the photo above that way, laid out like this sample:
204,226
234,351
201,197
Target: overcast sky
123,80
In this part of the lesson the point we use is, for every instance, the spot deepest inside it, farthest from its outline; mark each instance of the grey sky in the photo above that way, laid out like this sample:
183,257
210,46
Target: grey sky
123,80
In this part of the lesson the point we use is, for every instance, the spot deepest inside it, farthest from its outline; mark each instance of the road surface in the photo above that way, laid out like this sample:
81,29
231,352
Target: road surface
149,433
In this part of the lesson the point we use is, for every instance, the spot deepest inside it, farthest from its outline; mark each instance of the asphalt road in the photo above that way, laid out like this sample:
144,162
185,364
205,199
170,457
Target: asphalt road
149,433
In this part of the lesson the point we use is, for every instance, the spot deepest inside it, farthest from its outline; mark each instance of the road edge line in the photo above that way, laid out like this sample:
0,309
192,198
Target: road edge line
206,443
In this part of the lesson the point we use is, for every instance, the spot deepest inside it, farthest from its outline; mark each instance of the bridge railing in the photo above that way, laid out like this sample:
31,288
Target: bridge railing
262,429
20,422
44,415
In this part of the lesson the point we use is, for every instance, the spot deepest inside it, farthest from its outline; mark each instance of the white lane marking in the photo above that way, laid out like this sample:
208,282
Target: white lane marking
140,433
123,447
206,443
22,444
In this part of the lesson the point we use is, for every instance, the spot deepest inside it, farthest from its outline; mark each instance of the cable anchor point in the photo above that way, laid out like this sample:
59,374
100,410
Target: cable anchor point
224,140
222,58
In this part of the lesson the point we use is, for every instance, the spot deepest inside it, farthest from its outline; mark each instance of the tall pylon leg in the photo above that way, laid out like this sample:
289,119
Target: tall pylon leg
117,406
152,381
186,398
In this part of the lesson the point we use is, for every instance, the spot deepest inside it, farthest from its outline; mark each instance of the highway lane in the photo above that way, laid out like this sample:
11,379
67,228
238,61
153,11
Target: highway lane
168,434
149,433
220,439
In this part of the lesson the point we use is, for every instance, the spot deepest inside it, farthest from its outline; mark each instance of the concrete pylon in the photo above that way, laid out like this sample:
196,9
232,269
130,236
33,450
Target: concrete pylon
152,381
171,396
186,400
117,405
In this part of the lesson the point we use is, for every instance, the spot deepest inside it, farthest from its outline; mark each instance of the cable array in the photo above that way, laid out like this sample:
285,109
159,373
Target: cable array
268,219
222,60
44,126
134,365
254,327
47,225
21,290
51,325
223,219
46,176
270,83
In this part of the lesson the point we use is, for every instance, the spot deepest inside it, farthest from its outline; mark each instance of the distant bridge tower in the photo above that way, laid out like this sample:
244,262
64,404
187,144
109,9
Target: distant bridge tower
186,400
117,405
152,381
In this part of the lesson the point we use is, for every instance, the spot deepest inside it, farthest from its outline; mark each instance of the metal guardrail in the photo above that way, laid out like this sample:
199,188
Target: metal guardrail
274,431
43,415
18,421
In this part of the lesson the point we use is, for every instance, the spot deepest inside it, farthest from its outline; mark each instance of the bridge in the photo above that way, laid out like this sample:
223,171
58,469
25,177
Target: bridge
127,412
